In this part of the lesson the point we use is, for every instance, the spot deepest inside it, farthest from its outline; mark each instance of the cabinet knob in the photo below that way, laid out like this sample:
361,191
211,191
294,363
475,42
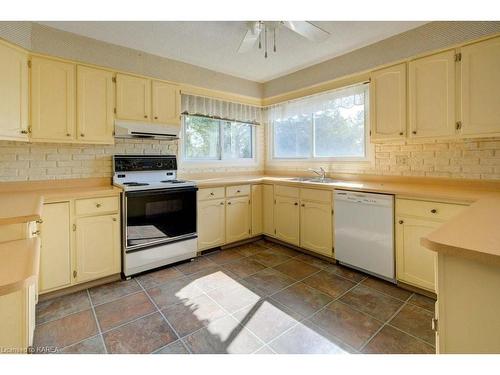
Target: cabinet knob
39,221
434,211
303,205
295,204
238,191
82,135
98,205
414,132
74,274
156,117
212,193
401,133
229,203
221,203
35,233
68,135
145,116
24,132
400,221
114,219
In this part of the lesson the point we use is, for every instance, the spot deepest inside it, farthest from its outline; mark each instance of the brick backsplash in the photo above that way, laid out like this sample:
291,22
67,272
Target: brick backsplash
464,159
461,159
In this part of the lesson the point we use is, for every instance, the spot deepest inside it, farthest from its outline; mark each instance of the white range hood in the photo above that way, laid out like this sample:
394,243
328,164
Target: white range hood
131,129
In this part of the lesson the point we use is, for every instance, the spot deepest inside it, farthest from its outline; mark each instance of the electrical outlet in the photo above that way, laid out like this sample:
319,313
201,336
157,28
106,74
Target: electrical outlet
402,160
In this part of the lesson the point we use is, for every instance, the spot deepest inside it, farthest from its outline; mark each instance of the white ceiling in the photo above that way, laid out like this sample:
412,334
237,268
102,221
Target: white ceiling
214,44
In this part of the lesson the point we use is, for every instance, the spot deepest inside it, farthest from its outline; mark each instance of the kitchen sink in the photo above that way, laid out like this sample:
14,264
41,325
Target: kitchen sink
325,180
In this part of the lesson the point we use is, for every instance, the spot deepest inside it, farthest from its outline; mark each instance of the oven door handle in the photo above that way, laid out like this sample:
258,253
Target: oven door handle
155,192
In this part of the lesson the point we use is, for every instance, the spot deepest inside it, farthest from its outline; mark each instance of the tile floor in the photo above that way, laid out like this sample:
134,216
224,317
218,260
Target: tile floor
259,298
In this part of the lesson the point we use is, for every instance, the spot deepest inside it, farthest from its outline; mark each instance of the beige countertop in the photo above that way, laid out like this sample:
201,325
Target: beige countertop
20,264
473,234
20,207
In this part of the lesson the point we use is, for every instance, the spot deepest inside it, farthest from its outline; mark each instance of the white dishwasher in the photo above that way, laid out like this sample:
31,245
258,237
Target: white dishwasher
364,232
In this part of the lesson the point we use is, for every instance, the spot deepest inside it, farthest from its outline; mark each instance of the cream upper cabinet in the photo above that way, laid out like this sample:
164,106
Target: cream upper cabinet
388,103
211,223
432,95
95,105
257,206
237,219
98,249
286,219
166,103
480,88
13,94
414,263
316,227
133,98
52,100
268,210
55,252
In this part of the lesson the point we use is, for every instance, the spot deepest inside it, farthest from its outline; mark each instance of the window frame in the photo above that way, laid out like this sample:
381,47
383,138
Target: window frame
220,146
312,157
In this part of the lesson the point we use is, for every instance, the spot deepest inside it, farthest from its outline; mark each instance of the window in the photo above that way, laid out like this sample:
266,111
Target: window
331,125
210,139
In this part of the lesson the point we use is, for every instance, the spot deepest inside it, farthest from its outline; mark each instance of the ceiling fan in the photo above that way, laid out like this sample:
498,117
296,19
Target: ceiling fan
259,30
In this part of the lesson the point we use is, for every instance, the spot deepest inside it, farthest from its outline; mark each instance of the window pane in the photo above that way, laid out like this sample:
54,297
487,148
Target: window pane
237,140
202,138
292,137
340,131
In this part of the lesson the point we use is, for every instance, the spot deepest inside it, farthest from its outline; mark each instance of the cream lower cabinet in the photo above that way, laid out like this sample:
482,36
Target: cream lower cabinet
211,223
97,247
316,227
415,265
55,251
80,242
268,210
286,219
257,210
237,219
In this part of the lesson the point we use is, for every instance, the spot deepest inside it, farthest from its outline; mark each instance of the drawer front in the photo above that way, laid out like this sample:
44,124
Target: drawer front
286,191
211,193
237,191
96,206
426,209
316,195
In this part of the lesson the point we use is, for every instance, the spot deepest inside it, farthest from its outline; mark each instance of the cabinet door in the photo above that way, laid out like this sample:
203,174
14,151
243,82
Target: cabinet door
166,103
316,227
14,94
133,98
211,223
95,105
268,210
388,103
98,250
257,209
55,252
237,219
415,264
432,95
52,100
286,219
480,88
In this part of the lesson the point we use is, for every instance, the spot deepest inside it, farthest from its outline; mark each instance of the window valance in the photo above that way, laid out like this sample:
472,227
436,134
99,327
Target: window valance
220,109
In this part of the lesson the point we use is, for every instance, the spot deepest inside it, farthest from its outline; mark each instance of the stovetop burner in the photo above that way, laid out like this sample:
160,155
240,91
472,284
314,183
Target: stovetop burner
173,181
135,184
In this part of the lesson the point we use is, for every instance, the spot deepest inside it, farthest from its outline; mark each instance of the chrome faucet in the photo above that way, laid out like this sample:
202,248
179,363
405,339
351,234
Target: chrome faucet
321,172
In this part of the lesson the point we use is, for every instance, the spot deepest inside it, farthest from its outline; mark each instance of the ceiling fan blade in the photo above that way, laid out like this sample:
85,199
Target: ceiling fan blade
254,29
307,30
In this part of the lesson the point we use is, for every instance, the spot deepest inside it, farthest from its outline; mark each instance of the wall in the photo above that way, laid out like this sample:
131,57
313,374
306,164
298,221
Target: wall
463,159
426,38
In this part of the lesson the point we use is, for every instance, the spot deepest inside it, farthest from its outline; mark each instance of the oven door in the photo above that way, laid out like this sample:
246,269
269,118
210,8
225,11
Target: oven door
153,217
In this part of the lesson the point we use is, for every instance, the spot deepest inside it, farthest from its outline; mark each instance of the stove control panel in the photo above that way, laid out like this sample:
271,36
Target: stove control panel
136,163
